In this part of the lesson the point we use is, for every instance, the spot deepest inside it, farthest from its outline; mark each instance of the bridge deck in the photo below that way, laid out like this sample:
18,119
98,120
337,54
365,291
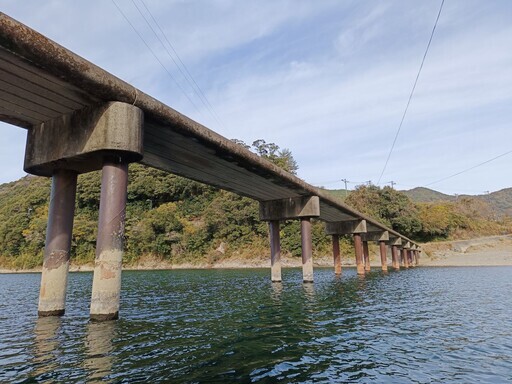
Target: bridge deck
41,80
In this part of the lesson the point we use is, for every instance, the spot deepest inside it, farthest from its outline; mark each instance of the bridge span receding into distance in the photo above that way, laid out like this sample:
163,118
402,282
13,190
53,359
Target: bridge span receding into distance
80,118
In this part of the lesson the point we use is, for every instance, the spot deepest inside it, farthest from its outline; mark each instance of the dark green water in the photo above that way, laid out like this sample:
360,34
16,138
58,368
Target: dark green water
423,325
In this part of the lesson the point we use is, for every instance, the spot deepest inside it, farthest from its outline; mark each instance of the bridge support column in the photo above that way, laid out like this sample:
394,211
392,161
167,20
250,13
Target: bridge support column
303,208
405,258
366,254
275,251
54,277
336,254
106,285
307,250
395,258
358,247
383,255
108,137
353,227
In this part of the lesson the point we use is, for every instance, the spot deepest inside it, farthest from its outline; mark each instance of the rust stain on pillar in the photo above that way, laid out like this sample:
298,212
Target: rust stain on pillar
275,251
394,257
307,250
358,247
383,255
336,254
405,258
106,286
54,277
366,254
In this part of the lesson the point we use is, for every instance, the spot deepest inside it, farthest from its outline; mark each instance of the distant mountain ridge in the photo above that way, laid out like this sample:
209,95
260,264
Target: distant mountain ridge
500,201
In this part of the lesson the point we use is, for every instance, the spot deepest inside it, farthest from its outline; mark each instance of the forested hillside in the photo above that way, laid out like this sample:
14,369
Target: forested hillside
179,220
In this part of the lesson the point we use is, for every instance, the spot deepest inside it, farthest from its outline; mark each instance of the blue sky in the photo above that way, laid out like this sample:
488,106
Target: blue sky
328,80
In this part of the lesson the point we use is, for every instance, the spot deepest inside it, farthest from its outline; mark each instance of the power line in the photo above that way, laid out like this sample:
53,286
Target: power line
468,169
412,92
156,57
179,64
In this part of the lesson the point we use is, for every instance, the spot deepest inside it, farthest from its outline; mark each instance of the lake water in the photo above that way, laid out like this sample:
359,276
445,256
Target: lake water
423,325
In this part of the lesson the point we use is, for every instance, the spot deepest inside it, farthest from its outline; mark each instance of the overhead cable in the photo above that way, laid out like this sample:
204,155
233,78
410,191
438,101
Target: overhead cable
411,94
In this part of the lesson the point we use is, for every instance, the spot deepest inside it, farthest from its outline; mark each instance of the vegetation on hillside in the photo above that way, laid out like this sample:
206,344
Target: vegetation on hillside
179,220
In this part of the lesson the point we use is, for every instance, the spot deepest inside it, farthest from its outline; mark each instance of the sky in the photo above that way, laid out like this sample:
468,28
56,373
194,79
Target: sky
328,80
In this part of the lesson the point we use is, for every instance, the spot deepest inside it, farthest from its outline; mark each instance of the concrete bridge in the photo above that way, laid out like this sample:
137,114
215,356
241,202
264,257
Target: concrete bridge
80,118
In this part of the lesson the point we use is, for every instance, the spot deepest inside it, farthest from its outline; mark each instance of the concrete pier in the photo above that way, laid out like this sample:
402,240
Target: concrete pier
52,296
405,258
395,257
358,247
383,255
106,286
307,250
366,254
275,251
303,208
336,254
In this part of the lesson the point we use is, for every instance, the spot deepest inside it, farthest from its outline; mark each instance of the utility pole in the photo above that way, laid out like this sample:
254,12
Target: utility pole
345,181
392,184
369,182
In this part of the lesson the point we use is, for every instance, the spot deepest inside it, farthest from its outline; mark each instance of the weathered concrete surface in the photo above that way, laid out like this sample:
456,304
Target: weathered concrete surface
345,227
79,141
275,251
383,255
376,236
336,254
54,277
291,208
106,286
358,247
307,250
395,258
366,254
405,258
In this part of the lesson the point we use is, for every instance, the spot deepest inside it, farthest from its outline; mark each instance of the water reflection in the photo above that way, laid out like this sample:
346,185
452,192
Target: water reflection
98,348
46,344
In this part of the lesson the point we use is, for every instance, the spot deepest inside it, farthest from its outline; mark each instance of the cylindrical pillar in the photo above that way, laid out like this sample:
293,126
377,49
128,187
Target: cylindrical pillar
358,247
106,286
405,256
383,255
54,278
366,254
275,251
394,257
307,250
418,253
336,254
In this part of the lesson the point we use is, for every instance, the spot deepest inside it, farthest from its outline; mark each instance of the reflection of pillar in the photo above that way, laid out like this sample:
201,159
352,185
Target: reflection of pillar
336,254
46,345
366,254
54,278
275,251
307,249
106,286
383,255
358,247
394,257
99,359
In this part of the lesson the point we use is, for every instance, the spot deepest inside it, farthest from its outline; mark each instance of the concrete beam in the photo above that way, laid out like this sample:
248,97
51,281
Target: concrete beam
406,245
346,227
291,208
376,236
80,141
395,241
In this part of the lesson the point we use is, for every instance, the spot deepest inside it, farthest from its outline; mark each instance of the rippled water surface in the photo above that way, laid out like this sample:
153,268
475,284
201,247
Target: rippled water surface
422,325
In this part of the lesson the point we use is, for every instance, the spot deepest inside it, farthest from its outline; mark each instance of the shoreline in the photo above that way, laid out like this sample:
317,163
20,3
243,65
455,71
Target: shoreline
492,251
